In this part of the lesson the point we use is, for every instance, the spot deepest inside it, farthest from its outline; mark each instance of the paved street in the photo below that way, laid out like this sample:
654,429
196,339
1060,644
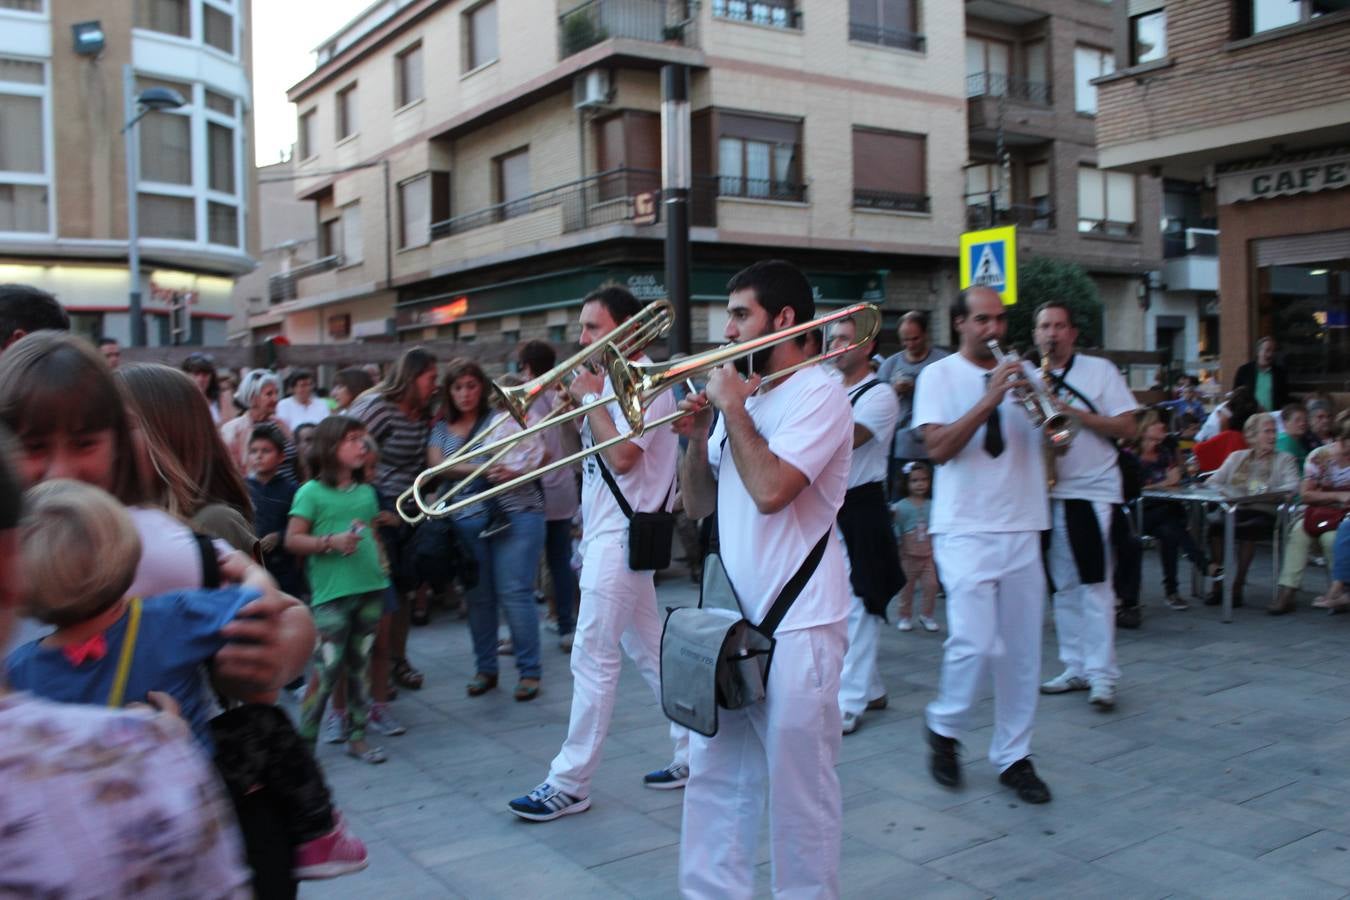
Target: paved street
1223,773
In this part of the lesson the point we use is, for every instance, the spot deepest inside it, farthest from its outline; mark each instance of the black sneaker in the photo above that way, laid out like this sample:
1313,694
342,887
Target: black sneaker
1021,776
1128,617
942,760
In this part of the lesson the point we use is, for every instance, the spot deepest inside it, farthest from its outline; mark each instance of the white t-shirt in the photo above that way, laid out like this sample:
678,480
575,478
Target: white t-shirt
973,492
294,413
807,423
1088,471
877,410
645,486
171,558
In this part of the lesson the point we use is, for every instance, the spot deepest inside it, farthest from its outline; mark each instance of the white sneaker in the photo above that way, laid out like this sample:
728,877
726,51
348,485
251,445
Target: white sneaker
850,723
904,623
334,729
1063,683
382,721
929,623
1103,696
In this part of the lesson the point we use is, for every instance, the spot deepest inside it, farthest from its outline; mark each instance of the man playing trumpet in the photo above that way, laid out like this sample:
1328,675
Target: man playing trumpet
989,508
1084,501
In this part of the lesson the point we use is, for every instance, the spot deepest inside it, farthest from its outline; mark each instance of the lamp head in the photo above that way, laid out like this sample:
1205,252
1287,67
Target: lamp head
160,98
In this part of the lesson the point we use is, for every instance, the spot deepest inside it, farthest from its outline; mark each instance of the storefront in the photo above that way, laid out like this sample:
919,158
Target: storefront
1284,264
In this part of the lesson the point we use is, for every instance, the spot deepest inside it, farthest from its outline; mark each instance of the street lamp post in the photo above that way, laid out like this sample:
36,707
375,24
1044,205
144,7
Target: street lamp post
135,108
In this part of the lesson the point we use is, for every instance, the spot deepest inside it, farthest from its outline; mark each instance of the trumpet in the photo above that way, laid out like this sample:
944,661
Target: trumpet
625,339
1057,428
637,384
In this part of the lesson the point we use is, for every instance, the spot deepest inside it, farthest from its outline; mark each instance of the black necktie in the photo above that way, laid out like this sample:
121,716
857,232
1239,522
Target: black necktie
993,432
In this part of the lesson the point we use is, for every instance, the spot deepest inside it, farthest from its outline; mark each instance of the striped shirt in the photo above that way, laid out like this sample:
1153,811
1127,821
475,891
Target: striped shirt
403,442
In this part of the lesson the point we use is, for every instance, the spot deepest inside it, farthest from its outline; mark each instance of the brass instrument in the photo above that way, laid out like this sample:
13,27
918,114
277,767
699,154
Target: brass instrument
1057,428
635,386
636,332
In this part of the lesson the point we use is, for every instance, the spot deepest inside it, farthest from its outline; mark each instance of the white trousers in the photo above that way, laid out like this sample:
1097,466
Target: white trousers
995,608
618,613
1085,614
859,682
786,748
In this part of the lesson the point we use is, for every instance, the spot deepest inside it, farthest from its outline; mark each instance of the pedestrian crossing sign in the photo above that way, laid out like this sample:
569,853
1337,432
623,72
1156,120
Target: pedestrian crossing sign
989,259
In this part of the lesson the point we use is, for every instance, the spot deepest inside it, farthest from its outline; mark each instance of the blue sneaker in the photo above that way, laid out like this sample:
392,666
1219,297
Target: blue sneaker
545,803
675,775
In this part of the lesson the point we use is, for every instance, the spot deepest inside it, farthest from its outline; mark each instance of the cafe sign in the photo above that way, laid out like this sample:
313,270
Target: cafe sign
1284,179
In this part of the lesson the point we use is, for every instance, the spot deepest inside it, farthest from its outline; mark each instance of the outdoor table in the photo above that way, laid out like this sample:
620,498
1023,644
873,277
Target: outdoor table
1229,499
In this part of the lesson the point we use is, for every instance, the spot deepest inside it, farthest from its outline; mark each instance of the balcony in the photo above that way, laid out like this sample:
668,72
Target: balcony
285,285
771,13
1031,216
1190,242
890,201
1191,260
760,189
886,37
658,21
993,84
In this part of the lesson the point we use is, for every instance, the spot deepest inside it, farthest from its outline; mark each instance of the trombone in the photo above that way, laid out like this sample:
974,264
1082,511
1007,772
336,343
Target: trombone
630,336
636,384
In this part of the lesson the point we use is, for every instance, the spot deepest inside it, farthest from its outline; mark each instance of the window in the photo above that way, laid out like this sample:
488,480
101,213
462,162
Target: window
557,333
1148,37
222,222
774,13
353,241
22,5
346,112
1105,202
988,67
304,137
218,28
513,182
165,16
1256,16
985,181
166,144
1039,196
889,170
220,157
414,204
1089,63
330,237
759,157
891,23
482,35
24,178
408,76
1038,71
167,217
23,207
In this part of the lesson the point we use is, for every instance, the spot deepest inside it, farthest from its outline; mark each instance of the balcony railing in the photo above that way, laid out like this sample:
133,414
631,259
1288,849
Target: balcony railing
1108,227
283,285
1191,242
1031,216
773,13
760,188
594,21
993,84
891,201
886,37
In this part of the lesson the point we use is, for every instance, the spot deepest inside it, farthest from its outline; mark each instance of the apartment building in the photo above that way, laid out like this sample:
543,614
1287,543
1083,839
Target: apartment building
287,236
63,186
1032,108
477,166
1245,102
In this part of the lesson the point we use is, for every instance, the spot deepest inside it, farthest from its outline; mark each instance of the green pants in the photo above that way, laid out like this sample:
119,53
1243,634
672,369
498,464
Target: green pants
346,627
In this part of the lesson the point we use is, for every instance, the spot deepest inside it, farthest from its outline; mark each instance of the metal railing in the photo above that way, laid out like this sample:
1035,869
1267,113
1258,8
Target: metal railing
601,199
1032,216
760,188
283,285
1191,242
594,21
993,84
1108,227
777,14
886,37
891,200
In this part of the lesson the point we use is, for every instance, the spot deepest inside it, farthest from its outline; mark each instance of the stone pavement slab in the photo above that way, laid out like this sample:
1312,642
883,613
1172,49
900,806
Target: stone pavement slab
1222,773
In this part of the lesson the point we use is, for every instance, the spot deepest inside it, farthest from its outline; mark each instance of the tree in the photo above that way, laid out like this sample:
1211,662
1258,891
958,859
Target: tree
1042,279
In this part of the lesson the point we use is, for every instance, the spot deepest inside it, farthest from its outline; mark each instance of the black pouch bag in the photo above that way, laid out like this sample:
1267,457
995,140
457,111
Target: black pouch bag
650,534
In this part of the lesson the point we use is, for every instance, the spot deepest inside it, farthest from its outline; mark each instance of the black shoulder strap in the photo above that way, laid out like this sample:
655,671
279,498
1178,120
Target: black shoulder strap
210,565
857,395
614,488
1058,382
789,593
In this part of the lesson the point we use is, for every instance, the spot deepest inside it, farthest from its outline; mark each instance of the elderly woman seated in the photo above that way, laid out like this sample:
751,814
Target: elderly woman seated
1326,491
1258,470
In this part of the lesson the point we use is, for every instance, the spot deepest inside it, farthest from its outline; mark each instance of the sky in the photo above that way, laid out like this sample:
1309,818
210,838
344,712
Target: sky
285,32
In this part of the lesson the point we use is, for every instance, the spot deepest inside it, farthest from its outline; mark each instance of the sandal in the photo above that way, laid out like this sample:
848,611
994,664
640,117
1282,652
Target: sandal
481,684
371,755
526,689
406,676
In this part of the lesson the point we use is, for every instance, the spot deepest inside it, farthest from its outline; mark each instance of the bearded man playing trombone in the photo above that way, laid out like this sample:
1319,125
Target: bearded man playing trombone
618,612
775,470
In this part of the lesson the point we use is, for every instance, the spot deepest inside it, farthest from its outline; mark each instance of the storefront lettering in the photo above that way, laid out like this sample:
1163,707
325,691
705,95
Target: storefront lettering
646,288
1276,181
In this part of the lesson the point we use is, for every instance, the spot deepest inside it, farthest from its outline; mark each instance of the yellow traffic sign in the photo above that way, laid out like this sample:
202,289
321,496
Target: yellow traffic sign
989,259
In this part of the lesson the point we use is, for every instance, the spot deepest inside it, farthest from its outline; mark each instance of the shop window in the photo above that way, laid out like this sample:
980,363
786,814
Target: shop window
1306,306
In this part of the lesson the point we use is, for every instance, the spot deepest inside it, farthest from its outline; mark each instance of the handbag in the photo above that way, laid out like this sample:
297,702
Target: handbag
1318,520
712,656
650,534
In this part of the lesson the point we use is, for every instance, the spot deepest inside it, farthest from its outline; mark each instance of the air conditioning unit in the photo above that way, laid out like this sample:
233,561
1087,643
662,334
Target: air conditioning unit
591,89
